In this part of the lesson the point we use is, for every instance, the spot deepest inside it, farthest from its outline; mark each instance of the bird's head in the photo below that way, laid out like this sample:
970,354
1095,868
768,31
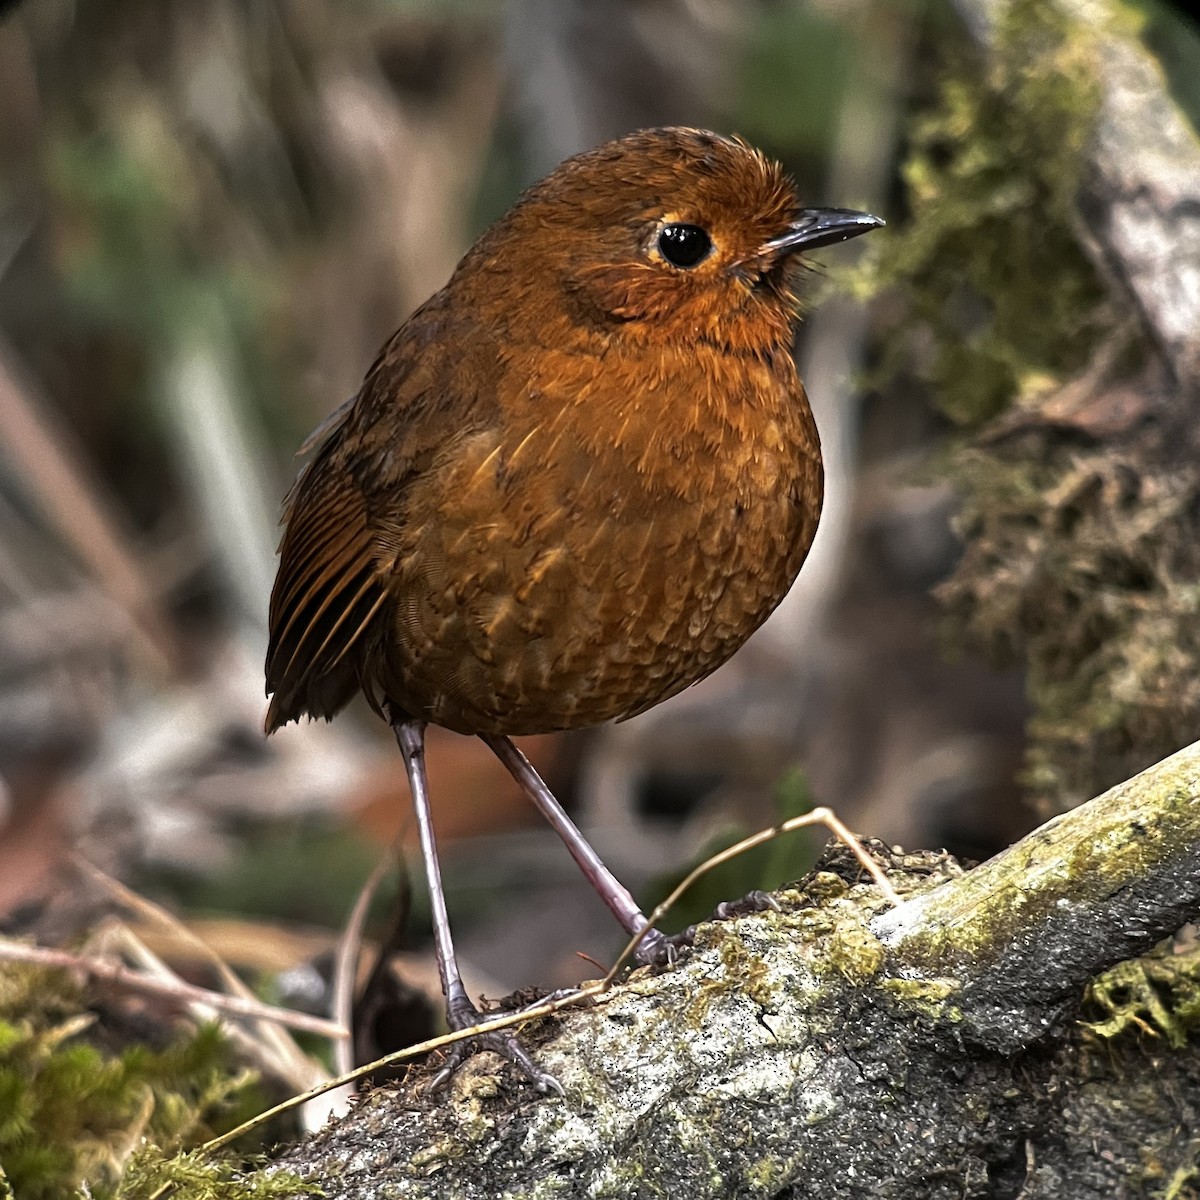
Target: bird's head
673,234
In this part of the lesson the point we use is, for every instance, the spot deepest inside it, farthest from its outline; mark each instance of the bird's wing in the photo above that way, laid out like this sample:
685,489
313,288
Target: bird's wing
328,589
342,517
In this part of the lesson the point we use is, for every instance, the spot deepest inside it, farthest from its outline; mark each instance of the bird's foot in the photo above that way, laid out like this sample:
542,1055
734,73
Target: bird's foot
752,902
462,1014
656,950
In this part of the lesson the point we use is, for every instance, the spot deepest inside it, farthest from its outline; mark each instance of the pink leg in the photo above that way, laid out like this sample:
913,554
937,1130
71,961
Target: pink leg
460,1012
654,947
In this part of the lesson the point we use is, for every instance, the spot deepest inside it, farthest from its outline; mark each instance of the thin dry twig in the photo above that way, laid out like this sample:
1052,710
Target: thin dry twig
591,991
284,1058
80,512
161,916
346,961
175,989
818,816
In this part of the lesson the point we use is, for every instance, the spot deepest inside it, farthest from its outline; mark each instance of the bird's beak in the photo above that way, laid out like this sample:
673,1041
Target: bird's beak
815,227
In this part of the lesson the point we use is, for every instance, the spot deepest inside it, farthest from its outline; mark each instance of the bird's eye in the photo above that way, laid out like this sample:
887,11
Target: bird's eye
684,245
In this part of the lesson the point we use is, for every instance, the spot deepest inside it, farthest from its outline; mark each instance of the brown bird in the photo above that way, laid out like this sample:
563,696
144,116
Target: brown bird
572,484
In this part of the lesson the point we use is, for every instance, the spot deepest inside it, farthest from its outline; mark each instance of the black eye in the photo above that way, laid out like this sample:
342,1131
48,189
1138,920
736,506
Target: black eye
684,245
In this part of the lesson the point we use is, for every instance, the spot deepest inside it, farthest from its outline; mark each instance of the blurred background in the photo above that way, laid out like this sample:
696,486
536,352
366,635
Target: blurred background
212,212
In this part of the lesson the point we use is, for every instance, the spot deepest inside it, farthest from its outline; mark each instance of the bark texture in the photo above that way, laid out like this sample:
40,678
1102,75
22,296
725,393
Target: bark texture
837,1049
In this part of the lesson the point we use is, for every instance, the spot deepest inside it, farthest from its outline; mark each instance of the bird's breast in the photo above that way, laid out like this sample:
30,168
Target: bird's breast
608,542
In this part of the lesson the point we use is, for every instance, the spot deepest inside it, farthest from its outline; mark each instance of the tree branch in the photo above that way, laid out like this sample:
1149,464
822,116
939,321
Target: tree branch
1027,930
811,1050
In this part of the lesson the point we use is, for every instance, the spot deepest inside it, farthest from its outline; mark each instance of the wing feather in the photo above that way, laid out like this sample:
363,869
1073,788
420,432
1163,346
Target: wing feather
346,515
329,589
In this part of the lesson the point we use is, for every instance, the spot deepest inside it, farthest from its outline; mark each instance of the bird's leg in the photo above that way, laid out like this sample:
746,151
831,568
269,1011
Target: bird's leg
460,1012
654,947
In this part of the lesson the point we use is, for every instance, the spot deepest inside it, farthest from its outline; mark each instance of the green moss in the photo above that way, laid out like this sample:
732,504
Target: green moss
1080,517
1157,995
855,952
433,1157
825,885
151,1175
749,970
929,997
739,963
1154,997
1185,1174
768,1175
77,1099
994,287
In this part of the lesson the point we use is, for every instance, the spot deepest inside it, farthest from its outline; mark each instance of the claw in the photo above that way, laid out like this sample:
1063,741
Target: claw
507,1046
752,902
463,1015
656,950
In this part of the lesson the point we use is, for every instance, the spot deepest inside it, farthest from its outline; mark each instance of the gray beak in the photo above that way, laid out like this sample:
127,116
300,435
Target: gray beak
814,227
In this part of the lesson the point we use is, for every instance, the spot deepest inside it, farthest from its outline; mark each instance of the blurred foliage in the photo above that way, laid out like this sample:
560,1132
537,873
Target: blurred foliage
308,871
76,1099
793,112
996,292
126,269
1080,547
777,862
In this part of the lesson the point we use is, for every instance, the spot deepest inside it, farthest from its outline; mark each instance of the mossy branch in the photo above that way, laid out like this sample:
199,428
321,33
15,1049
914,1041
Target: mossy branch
1026,931
834,1044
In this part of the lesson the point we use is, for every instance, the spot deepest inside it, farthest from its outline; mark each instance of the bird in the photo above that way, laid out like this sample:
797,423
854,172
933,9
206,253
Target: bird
572,483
